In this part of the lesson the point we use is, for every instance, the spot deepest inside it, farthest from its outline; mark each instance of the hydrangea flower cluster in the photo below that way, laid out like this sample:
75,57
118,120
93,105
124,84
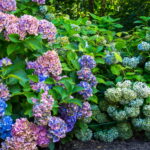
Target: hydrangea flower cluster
85,111
86,63
110,59
69,113
46,65
122,131
84,134
5,127
7,5
42,140
4,92
126,100
24,25
131,62
98,116
26,135
107,135
39,1
87,92
5,62
147,66
42,109
144,46
130,96
57,128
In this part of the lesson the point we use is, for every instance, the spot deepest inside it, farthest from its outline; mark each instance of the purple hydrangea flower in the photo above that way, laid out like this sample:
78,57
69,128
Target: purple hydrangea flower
39,1
85,111
4,92
57,129
69,113
42,110
7,5
87,61
47,30
48,64
43,140
87,92
5,61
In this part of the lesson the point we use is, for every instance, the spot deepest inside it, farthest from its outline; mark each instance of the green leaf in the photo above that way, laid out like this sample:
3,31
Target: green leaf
33,78
14,38
12,48
51,146
77,89
49,81
118,57
74,101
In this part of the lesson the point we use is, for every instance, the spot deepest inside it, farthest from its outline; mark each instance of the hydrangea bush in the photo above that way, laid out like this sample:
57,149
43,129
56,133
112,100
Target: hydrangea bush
62,79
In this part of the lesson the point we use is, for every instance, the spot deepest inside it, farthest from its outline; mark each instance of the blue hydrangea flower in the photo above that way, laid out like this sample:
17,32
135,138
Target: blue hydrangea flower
5,127
110,59
87,92
42,78
3,106
87,61
144,46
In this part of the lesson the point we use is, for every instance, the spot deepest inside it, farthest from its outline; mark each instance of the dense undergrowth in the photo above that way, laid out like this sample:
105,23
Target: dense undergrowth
63,79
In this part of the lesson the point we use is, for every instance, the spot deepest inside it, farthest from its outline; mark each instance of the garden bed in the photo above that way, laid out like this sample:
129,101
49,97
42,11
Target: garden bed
134,144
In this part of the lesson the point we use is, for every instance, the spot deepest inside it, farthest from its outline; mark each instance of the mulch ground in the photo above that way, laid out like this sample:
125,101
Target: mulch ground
133,144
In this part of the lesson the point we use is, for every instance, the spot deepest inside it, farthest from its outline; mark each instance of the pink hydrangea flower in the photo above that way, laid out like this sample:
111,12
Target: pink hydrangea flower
7,5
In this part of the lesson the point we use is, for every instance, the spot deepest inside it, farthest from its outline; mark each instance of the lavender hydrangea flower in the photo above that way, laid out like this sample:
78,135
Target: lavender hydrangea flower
57,129
87,62
39,1
69,113
48,64
29,24
87,92
42,110
5,62
47,30
4,92
85,111
85,74
7,5
2,21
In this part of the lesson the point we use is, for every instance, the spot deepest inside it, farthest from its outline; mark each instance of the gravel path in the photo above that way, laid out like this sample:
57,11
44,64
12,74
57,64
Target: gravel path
117,145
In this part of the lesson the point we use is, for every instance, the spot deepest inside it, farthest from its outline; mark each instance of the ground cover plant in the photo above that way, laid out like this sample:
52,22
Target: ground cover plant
62,79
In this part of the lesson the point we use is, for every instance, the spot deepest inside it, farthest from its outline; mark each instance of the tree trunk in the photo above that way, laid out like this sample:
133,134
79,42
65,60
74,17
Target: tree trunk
103,7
